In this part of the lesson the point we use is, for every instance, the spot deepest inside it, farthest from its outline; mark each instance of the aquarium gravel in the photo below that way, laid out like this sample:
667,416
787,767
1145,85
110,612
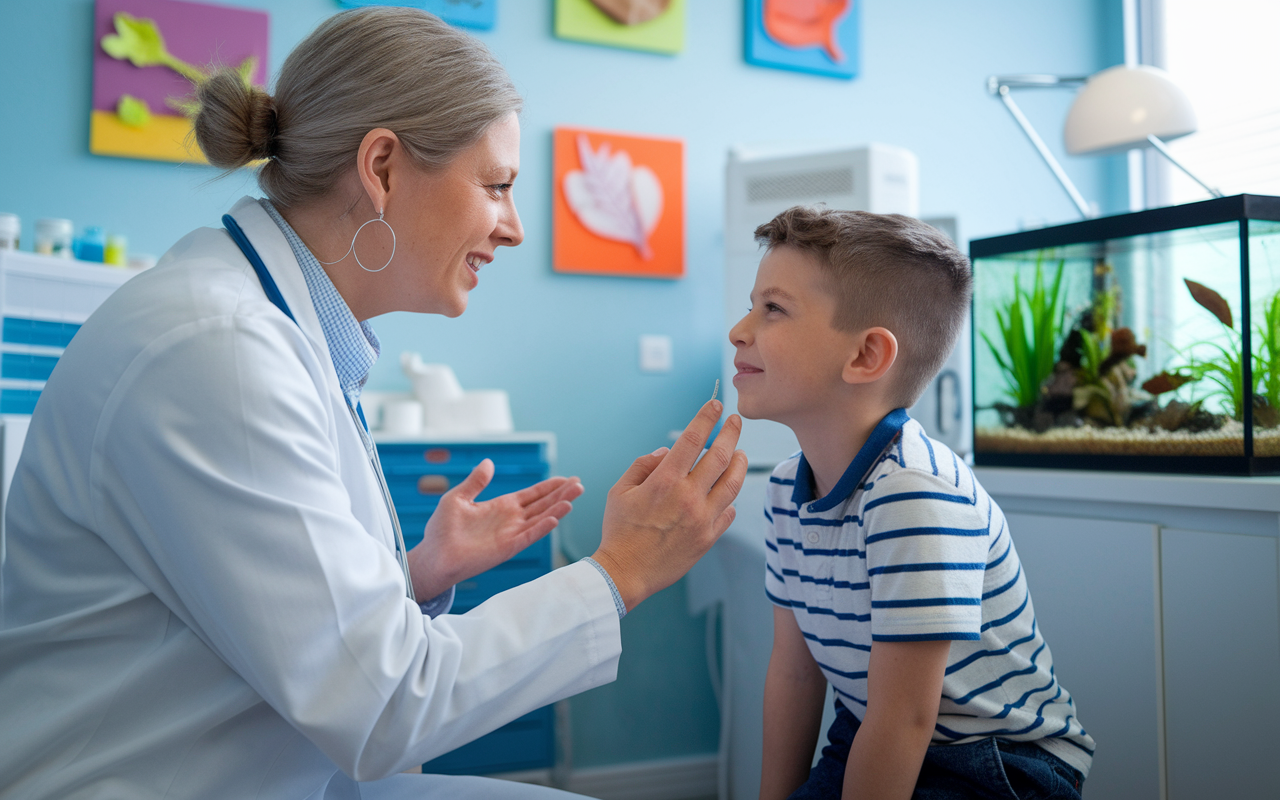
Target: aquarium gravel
1227,440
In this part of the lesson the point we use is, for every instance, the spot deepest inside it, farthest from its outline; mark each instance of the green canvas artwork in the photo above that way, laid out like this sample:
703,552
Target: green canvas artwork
652,25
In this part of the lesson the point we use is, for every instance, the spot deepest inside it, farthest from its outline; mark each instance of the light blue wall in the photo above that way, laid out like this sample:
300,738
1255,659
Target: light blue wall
566,346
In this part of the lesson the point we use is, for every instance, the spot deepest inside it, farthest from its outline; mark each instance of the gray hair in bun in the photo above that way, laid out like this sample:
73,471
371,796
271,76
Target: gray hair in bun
436,87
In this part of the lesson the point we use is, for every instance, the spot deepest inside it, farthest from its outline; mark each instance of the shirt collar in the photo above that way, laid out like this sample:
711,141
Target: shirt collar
353,345
885,432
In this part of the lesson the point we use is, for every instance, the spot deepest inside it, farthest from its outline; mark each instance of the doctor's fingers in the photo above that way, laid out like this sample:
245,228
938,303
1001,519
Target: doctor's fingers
542,489
727,485
532,533
726,517
555,513
686,448
718,458
567,492
475,483
639,471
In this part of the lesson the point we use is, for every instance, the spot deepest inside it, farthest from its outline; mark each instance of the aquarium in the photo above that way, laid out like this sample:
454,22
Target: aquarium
1147,341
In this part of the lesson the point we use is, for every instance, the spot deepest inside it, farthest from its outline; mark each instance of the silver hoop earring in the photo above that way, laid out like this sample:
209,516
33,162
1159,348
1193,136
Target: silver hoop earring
351,251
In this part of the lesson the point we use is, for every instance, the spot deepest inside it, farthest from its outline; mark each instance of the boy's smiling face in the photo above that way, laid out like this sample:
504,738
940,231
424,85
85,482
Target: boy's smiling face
789,357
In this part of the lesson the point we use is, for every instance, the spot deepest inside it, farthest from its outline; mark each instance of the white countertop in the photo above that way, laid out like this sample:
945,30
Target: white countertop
1197,491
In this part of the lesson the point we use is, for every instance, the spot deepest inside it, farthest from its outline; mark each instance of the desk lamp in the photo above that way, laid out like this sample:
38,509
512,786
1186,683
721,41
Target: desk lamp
1117,109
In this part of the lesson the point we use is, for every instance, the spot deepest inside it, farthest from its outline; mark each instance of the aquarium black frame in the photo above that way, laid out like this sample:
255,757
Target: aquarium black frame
1241,209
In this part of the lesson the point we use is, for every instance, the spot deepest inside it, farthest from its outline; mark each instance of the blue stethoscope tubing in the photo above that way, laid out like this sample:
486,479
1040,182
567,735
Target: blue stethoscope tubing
357,414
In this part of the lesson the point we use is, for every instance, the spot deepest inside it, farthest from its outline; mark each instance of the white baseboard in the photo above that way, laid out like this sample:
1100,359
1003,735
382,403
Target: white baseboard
666,779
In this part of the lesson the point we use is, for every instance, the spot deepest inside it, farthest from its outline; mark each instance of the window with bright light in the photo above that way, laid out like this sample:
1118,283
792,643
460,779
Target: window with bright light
1226,55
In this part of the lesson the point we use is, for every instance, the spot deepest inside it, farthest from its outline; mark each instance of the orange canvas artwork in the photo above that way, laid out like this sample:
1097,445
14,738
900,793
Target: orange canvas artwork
619,204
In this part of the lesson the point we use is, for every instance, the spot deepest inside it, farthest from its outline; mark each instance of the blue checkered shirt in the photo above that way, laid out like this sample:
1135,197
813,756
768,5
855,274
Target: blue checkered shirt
353,345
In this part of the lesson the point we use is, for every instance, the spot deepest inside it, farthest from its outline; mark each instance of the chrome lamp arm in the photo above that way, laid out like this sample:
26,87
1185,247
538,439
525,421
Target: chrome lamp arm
1000,86
1163,150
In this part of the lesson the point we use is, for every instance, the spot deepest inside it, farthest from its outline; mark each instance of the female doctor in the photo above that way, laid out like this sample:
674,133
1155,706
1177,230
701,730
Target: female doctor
204,593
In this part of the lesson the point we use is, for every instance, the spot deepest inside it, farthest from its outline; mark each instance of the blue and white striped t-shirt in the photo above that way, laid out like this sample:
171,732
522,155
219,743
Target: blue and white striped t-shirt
908,547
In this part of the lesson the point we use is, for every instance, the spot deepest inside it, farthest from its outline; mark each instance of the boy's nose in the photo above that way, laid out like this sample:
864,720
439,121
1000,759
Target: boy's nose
738,333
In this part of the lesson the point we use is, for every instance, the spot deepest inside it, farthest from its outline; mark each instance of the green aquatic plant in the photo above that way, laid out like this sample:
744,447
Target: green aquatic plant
1030,327
1091,357
1224,369
1266,359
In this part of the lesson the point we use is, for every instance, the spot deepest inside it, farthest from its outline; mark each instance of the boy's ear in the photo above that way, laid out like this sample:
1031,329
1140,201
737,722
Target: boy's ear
874,352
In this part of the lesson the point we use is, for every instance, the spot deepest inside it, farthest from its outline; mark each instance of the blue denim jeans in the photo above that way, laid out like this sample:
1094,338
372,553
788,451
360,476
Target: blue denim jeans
995,769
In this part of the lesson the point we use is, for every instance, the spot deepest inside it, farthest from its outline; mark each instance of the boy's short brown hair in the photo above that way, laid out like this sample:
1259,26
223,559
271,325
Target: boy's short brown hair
886,270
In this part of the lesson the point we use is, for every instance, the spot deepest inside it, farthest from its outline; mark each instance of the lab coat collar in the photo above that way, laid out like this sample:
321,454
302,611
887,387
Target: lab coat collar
274,250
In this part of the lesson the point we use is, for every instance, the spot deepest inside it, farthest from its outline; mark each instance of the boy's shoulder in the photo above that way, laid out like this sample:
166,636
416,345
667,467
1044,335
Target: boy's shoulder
782,480
785,472
910,461
915,462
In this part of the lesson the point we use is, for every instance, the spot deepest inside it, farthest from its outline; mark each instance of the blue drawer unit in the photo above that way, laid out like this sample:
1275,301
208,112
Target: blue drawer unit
27,366
18,401
48,333
43,303
418,473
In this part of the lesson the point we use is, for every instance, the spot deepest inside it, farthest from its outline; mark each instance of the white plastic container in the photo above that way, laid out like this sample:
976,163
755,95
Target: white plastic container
402,418
54,237
10,231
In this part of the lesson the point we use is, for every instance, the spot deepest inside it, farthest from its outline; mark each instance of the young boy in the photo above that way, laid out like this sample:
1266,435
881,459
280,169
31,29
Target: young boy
891,570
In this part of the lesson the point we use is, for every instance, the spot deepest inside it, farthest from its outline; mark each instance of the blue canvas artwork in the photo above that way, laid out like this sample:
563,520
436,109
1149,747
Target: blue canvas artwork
816,36
479,14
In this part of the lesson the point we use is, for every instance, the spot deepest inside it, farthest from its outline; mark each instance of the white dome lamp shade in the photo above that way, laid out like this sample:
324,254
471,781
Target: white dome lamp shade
1125,107
1117,109
1120,107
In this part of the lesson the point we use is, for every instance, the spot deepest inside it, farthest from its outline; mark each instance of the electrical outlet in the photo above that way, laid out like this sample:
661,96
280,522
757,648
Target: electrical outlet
655,353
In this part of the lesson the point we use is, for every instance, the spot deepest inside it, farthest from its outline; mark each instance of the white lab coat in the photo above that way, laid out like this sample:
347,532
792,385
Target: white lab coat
201,597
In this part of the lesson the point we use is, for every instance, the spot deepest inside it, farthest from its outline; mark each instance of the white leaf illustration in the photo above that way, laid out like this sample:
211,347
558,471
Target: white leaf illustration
612,198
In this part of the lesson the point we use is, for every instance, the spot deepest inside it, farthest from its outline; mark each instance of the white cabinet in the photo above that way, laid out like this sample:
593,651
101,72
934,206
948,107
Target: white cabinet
1093,586
1168,638
1221,663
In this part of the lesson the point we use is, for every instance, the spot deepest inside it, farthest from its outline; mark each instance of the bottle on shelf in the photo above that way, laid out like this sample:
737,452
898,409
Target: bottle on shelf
116,252
54,237
92,246
10,231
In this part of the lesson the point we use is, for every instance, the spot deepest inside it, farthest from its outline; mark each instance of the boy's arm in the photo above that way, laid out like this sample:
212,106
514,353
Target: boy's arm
904,689
794,690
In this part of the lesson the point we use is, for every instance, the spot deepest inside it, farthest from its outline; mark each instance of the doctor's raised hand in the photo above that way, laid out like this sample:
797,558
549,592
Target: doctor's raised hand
464,538
203,589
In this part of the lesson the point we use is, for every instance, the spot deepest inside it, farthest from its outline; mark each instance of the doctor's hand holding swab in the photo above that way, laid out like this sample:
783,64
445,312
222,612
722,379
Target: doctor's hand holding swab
664,513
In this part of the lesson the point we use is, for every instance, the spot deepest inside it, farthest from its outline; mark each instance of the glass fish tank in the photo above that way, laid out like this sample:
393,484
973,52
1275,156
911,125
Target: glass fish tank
1147,342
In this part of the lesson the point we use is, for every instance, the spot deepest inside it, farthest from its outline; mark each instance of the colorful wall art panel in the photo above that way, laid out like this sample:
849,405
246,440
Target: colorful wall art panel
654,25
479,14
619,204
818,36
147,57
